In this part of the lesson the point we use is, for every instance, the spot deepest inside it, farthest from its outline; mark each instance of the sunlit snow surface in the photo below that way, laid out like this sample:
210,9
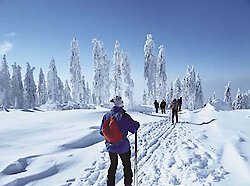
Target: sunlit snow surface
209,146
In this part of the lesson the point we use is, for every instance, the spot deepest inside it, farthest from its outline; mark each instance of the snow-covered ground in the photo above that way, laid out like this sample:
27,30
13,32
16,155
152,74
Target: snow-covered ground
210,146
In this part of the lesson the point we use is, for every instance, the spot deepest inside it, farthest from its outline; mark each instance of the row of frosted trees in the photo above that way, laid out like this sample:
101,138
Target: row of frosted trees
241,101
18,93
190,89
121,84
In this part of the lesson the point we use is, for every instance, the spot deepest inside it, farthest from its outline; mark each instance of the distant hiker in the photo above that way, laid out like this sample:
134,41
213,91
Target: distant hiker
179,101
156,106
174,108
163,106
122,148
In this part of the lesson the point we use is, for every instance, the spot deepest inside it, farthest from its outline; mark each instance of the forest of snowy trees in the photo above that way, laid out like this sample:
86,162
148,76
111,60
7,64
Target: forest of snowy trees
24,94
110,78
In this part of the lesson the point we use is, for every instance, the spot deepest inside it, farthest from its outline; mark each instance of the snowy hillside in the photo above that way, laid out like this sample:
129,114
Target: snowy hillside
209,146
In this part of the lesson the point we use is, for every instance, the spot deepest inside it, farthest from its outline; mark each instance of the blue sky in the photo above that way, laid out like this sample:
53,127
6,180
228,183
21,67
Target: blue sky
212,35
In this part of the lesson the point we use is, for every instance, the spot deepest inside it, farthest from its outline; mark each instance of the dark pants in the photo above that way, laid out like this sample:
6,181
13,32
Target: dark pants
156,110
174,114
125,157
163,110
179,107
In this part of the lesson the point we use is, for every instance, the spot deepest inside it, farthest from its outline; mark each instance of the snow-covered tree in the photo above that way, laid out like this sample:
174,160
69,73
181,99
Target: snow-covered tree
75,71
52,82
88,94
67,92
29,88
4,83
150,67
189,87
248,95
83,91
227,94
16,87
42,90
177,88
238,100
117,69
214,95
144,98
245,101
60,91
170,95
161,76
101,84
199,101
128,82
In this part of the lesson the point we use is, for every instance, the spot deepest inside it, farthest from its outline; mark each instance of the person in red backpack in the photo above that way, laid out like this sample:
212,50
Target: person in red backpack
121,148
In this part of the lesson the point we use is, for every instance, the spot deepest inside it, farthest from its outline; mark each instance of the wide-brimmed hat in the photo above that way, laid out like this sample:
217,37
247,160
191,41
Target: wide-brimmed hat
117,100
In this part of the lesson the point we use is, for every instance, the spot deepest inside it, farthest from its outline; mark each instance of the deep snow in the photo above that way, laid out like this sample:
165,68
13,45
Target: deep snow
210,146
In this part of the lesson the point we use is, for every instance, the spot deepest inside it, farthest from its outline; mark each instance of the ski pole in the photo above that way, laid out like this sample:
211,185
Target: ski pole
135,167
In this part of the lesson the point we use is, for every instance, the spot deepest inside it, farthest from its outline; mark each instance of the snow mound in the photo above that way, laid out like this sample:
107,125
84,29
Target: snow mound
16,167
220,105
86,141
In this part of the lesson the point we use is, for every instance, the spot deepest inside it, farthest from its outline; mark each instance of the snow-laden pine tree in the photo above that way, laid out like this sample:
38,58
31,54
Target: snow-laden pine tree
83,92
150,68
128,81
60,91
144,98
101,84
161,77
245,101
117,57
75,71
189,87
16,87
67,93
42,90
227,94
177,88
106,72
52,82
4,84
88,94
184,93
238,100
199,100
170,95
248,95
214,96
29,88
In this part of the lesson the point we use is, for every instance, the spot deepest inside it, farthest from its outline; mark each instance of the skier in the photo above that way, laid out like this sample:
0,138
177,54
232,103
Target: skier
179,101
163,106
156,106
174,108
122,148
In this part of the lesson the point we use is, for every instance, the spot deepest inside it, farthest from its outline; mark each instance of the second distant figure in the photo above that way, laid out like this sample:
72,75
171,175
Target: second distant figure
179,103
163,106
156,106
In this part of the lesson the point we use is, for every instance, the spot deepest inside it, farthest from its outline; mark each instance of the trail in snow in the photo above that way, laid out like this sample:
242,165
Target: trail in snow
167,154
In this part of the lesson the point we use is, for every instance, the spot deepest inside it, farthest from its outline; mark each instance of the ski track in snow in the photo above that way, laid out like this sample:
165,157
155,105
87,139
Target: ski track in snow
168,154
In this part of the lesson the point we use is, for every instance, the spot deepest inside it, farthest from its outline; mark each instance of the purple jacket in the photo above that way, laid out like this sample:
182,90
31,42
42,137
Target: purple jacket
126,123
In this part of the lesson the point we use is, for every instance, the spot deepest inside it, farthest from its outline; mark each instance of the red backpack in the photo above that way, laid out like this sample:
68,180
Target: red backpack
111,130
